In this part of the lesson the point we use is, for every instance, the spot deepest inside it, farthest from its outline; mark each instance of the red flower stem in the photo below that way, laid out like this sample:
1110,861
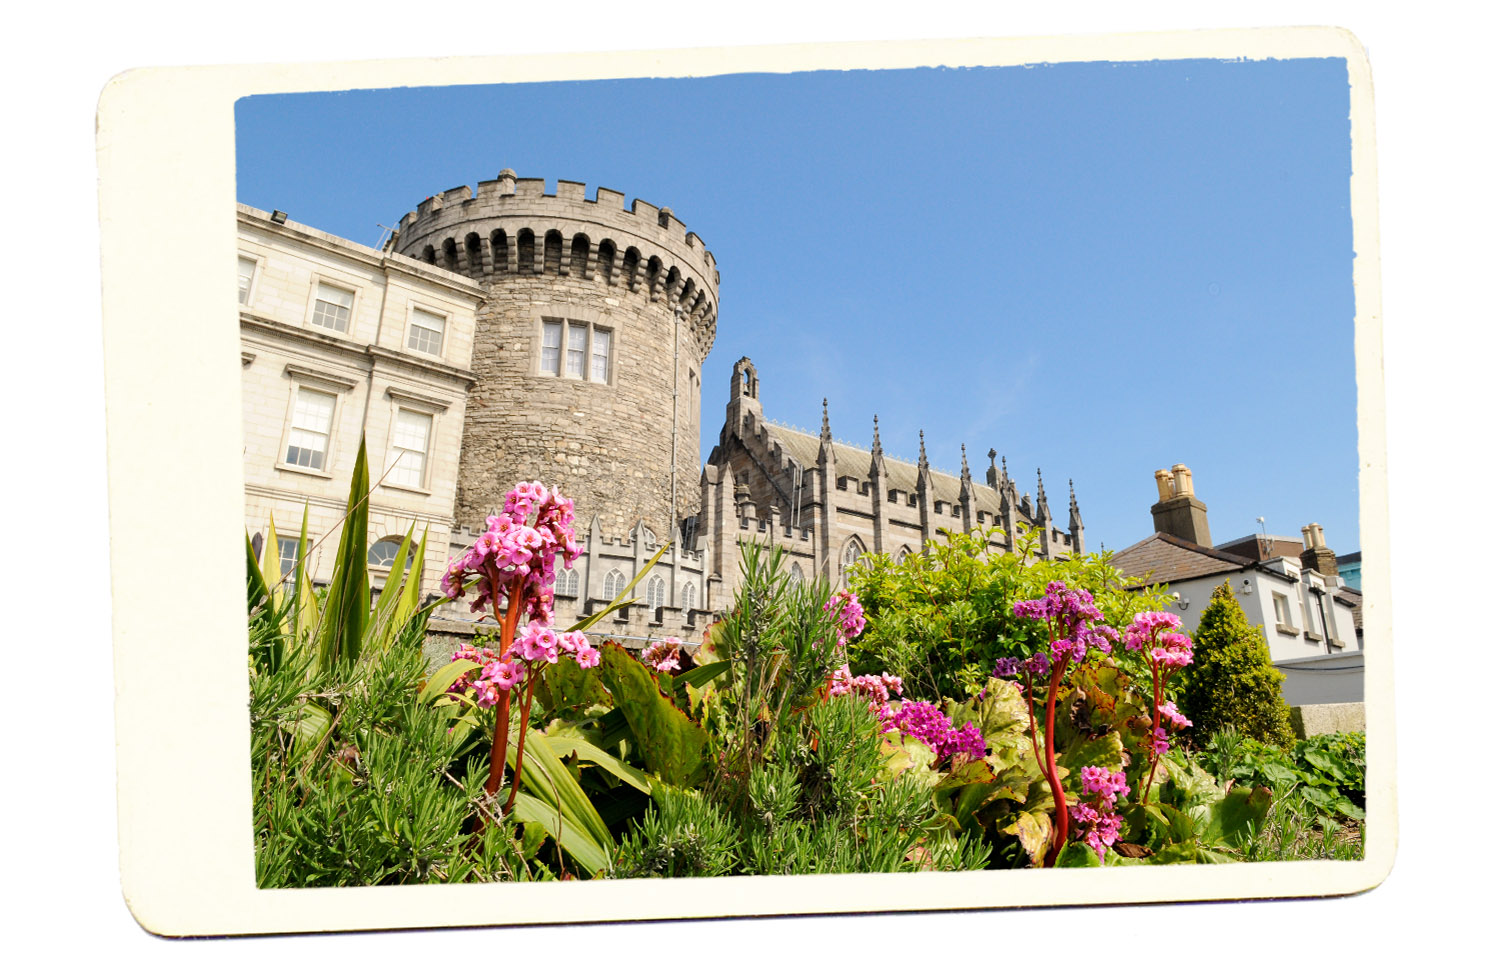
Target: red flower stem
1036,748
1155,723
515,778
502,714
1059,799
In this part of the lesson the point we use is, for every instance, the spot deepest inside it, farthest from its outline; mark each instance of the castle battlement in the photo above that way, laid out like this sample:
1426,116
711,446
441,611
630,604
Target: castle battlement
512,226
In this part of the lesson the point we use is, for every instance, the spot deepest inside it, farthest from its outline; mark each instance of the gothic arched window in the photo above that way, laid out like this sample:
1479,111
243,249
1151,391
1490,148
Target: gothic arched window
902,554
614,584
567,582
689,596
853,550
796,573
656,592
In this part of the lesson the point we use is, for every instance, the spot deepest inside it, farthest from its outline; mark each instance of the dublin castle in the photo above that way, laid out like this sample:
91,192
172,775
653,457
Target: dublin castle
507,334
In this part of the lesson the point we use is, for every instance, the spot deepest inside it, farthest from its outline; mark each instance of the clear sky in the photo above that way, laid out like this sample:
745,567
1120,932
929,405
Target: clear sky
1100,269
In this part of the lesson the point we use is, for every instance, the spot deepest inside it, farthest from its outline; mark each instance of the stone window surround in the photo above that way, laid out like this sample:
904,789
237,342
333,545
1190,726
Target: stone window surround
338,283
571,314
416,402
300,376
254,276
447,317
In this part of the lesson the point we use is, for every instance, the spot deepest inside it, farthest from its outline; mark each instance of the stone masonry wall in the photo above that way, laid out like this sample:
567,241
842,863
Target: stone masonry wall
636,273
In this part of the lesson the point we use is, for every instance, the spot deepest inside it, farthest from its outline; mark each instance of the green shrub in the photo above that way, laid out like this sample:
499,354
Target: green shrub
941,619
1231,682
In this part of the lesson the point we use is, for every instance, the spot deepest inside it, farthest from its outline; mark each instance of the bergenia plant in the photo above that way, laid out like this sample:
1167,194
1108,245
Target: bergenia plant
1098,823
513,566
1167,649
663,655
1074,626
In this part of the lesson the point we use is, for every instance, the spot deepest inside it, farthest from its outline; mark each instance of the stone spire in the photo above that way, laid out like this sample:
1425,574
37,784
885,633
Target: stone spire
921,451
966,490
877,454
1075,522
1042,512
992,474
825,440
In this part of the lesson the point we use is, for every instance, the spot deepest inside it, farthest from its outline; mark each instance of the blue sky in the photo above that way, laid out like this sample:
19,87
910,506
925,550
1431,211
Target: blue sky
1100,269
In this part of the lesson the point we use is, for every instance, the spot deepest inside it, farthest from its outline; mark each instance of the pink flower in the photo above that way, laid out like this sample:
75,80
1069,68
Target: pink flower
844,607
511,552
1177,718
663,654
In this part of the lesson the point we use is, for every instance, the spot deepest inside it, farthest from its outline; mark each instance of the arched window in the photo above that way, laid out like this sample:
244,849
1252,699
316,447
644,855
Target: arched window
902,554
853,550
656,592
689,596
614,584
382,555
567,583
796,573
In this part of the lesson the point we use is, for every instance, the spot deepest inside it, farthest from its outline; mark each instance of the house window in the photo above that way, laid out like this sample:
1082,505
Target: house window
426,332
689,597
247,277
1283,609
409,438
576,349
312,423
286,549
567,582
614,584
656,592
332,306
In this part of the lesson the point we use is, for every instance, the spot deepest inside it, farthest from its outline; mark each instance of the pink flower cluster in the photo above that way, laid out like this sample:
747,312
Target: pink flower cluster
1157,632
663,654
514,549
1178,719
500,672
846,609
1071,614
1006,667
877,688
926,723
1098,823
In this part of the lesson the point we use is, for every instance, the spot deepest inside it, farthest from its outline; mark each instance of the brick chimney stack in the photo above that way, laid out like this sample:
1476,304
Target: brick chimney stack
1316,555
1178,512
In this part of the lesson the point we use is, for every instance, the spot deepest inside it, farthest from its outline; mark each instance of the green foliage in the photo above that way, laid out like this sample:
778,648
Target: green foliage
1326,771
682,835
668,741
941,619
370,793
1231,681
830,807
781,647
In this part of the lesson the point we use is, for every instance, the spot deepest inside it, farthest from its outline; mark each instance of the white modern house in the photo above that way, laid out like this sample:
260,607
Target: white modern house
1292,590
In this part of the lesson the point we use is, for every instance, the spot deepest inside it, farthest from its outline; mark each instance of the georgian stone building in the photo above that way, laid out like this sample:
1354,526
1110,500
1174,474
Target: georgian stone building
570,349
337,339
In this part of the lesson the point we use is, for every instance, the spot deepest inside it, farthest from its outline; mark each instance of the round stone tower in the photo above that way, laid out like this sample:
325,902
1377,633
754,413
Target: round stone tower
589,347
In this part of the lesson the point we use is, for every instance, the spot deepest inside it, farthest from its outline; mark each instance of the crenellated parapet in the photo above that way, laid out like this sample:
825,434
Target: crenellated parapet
511,227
